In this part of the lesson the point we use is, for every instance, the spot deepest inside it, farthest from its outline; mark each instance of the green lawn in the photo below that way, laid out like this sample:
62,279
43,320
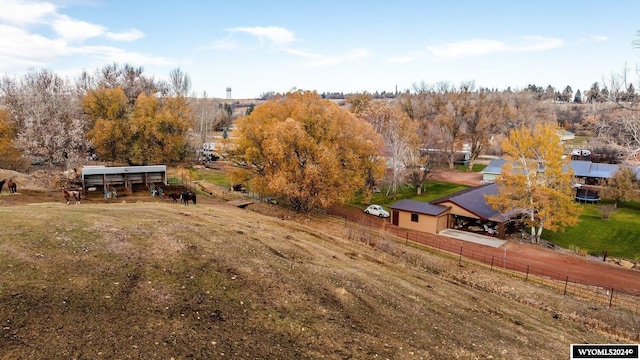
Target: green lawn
431,191
619,235
215,177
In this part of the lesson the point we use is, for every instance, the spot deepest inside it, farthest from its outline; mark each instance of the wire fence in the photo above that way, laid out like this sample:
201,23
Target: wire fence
371,230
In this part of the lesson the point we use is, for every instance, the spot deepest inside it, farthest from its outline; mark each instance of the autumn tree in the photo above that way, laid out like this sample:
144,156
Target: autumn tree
152,129
158,130
10,156
621,186
536,181
46,115
307,150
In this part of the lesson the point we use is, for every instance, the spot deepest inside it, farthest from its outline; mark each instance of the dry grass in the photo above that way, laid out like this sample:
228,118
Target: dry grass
158,280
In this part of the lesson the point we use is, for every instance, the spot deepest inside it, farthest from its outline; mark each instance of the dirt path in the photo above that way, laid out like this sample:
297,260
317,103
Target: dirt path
536,260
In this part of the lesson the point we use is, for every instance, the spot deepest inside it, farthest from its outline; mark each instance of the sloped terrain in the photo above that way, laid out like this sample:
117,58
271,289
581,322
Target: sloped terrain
161,280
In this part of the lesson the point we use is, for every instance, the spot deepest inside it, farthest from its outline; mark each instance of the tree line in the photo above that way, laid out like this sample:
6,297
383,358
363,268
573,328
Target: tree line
117,114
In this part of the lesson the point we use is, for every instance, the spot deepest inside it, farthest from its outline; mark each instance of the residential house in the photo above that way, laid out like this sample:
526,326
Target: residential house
465,210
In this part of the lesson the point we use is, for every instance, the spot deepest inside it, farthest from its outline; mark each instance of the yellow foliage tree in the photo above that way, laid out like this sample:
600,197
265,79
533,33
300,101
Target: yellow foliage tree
158,130
536,181
154,132
622,185
307,150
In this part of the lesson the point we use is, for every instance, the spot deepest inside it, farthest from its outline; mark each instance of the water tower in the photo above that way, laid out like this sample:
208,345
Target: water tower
228,93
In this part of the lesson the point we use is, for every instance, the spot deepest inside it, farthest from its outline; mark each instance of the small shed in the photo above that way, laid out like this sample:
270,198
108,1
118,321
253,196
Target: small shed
422,216
104,177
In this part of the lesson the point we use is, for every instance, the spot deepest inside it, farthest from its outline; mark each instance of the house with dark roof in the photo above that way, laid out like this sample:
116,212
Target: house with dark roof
466,210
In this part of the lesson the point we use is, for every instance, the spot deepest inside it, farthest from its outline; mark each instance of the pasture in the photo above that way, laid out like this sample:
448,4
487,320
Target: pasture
159,280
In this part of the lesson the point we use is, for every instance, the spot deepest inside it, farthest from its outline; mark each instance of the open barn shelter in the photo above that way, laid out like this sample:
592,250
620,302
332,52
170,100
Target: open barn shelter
128,177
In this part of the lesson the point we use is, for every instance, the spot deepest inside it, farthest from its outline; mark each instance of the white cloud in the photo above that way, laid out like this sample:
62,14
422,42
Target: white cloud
19,47
277,35
128,36
76,30
112,54
478,47
19,12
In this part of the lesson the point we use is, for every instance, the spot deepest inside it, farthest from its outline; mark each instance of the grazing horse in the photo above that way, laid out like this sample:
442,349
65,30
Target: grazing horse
71,194
13,187
174,197
2,184
187,196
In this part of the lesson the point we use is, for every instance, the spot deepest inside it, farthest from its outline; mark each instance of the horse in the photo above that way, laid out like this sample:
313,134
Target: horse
187,196
71,194
174,197
2,184
13,187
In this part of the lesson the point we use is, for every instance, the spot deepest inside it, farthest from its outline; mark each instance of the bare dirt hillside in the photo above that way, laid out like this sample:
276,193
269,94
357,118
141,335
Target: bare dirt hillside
160,280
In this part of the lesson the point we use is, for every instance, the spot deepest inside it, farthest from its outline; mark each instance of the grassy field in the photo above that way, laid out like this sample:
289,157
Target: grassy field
619,235
160,280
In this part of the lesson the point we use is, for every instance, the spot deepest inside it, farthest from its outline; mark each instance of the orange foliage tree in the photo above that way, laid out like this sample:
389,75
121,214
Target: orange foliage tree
306,150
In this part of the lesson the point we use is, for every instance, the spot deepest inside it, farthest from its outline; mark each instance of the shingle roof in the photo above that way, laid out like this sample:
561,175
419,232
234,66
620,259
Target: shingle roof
419,207
472,200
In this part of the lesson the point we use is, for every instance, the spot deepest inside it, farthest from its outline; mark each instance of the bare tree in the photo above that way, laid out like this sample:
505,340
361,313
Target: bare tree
48,116
400,135
179,82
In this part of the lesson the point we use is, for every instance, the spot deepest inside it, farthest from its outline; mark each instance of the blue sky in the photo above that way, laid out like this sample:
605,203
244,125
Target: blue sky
327,46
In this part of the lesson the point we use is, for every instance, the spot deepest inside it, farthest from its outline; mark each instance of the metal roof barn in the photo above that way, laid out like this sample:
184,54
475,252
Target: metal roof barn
104,177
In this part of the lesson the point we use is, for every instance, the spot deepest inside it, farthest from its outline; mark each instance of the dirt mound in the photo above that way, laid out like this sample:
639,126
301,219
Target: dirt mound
40,180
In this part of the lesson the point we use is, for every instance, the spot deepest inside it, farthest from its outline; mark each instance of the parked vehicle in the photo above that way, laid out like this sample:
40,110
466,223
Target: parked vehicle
377,210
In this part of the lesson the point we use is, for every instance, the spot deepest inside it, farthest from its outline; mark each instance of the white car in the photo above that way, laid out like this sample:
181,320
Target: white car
377,210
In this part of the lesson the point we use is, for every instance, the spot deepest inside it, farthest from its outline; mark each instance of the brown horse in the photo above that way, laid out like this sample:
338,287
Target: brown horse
71,194
13,187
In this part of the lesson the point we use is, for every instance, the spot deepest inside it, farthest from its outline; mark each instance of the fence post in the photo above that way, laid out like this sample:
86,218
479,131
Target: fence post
566,281
527,277
611,297
491,262
460,257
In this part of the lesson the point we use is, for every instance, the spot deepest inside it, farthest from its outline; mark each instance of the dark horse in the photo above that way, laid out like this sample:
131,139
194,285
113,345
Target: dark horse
71,194
2,185
187,196
175,197
13,187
